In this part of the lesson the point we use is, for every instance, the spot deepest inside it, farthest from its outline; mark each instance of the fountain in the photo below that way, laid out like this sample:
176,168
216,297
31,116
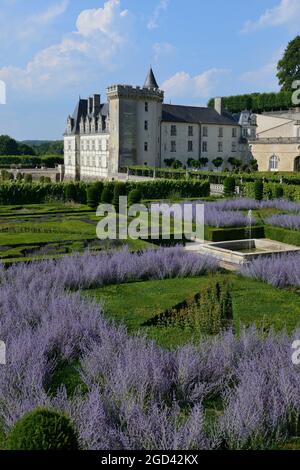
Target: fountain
242,251
250,226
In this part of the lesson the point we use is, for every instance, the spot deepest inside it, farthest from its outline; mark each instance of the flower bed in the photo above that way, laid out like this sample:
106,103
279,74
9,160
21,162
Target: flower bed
136,394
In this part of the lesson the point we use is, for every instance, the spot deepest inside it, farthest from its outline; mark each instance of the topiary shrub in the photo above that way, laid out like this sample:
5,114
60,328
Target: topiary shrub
106,195
70,192
259,190
229,186
28,178
93,195
42,429
119,190
278,191
134,197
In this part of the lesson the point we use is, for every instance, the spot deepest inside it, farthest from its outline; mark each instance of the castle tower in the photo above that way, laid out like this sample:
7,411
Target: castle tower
135,121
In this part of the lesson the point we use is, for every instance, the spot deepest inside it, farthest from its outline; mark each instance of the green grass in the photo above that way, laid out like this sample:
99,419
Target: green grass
254,303
63,228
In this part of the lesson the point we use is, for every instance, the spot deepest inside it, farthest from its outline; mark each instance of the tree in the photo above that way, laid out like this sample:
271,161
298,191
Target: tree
218,162
203,161
169,161
176,164
8,146
289,66
192,163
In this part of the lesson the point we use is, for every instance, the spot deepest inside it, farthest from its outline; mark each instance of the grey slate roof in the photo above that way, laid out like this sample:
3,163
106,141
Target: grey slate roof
81,110
150,81
195,115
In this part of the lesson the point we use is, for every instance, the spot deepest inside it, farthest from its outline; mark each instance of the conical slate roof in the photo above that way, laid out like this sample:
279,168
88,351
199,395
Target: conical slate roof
150,80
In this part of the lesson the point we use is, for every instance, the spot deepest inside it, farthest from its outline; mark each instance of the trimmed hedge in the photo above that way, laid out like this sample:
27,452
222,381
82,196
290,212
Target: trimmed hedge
271,191
213,234
30,161
284,235
216,177
257,102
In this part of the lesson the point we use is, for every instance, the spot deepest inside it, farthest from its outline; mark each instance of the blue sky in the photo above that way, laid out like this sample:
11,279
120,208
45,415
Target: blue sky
52,51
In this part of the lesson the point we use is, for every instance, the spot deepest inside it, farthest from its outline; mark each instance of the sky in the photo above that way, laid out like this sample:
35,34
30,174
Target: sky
53,51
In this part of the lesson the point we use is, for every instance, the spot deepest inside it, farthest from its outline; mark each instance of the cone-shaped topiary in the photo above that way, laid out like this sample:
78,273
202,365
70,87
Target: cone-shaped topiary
134,197
42,429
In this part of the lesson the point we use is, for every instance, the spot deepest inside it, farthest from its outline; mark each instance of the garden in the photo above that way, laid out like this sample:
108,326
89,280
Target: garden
114,344
115,387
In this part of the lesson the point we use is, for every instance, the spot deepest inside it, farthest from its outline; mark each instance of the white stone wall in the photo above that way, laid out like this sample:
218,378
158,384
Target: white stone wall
70,155
227,141
182,138
151,136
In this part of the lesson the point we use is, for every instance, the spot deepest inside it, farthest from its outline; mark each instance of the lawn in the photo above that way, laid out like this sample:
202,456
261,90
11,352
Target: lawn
51,230
254,303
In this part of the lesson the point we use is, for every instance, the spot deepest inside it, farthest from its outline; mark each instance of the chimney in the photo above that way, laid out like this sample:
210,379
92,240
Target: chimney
219,105
90,100
96,104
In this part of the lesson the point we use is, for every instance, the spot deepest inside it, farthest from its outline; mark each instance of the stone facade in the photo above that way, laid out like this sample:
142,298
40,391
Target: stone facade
277,144
135,127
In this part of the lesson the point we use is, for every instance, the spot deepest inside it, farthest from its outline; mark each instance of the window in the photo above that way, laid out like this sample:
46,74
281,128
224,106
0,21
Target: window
93,162
220,146
93,145
146,146
146,107
82,146
274,162
220,131
146,125
88,145
69,146
245,132
205,131
87,161
234,132
190,146
233,149
173,130
204,146
69,161
191,131
253,133
173,145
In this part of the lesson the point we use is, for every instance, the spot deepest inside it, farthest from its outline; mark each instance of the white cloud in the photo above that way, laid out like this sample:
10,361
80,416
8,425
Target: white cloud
162,49
100,35
42,19
50,14
286,13
159,9
183,85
